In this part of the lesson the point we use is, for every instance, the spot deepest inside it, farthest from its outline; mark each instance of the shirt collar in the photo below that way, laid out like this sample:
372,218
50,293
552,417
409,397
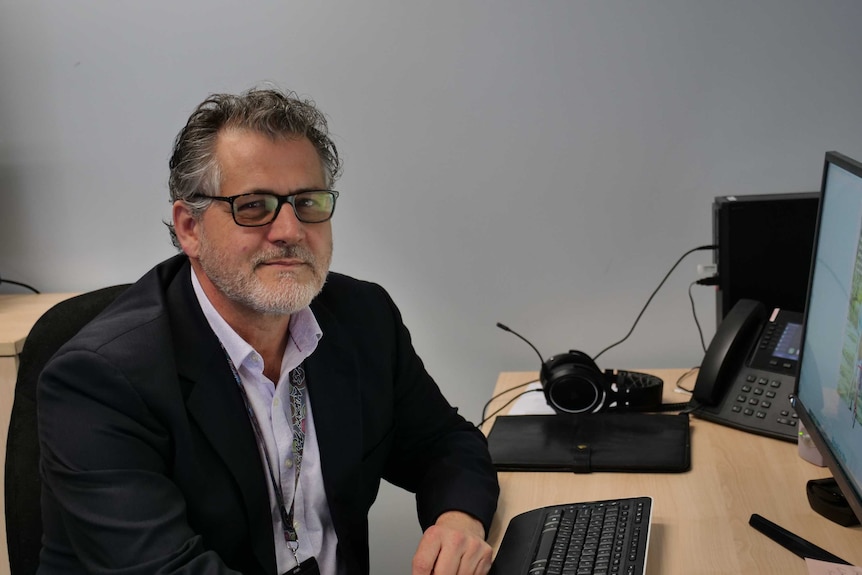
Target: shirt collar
304,331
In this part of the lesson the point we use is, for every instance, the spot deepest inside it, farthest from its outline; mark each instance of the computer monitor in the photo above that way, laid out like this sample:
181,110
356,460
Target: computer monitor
829,387
764,249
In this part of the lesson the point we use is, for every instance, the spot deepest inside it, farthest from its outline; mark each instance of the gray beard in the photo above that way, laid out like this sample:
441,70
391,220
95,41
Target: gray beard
287,298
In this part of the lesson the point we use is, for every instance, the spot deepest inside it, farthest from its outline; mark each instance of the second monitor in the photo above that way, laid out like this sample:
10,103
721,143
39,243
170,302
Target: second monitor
764,249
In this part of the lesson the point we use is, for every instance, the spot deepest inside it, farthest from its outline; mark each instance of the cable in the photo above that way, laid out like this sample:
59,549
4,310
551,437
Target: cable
694,315
669,407
646,305
712,280
487,403
29,287
685,376
505,405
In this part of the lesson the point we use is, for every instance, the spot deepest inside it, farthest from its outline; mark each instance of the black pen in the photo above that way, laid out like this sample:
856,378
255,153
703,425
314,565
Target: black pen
794,543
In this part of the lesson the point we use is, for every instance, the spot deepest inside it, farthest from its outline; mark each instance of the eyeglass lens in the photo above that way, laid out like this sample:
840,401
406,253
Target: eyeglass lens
260,209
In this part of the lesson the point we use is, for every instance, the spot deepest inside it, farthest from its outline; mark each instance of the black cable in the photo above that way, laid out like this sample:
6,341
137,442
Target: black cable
683,377
713,280
487,403
505,405
668,407
646,305
694,315
29,287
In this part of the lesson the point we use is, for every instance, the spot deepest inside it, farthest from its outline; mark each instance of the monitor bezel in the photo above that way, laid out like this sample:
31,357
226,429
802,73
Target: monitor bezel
848,489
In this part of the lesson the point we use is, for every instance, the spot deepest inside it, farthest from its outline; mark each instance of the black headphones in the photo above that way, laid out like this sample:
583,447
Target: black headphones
573,383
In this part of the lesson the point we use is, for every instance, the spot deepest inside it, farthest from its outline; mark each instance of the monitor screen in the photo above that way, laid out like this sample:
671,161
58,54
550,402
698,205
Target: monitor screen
829,388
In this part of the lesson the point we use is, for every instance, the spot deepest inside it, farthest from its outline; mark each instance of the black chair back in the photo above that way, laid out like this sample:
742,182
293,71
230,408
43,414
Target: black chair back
23,484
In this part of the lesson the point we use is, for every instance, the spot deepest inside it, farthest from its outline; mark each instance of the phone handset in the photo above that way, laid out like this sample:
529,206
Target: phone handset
727,351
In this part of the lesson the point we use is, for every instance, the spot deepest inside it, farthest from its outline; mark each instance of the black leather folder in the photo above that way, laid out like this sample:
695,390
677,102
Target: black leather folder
582,443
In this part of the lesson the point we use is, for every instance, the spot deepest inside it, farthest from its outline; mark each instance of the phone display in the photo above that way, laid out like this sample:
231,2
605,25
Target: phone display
787,347
778,346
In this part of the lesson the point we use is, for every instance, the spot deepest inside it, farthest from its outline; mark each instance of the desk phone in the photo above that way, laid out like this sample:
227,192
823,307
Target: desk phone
749,372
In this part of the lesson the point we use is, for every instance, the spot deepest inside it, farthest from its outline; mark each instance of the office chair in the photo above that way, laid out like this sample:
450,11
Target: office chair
23,484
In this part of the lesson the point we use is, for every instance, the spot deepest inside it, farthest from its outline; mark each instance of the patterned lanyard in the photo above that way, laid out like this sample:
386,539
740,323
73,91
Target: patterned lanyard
298,412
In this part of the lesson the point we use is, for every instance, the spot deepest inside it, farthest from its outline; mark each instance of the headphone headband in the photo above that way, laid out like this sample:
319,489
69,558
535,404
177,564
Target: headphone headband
635,391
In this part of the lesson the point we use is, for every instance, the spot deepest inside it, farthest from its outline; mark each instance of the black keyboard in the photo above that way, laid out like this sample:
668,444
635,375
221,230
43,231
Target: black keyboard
595,538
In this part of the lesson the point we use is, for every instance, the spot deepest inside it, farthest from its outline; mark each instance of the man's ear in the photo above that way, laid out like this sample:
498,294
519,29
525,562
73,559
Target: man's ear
187,229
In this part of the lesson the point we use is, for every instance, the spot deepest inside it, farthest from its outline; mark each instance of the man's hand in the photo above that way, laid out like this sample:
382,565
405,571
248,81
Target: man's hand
454,545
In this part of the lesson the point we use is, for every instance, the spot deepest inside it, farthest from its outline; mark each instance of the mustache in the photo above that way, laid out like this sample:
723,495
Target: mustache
294,251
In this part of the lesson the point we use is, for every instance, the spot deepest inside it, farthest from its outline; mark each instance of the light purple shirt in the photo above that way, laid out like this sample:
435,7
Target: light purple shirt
271,406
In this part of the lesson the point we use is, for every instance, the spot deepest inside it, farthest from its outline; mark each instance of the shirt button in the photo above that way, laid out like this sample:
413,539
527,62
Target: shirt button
275,402
288,463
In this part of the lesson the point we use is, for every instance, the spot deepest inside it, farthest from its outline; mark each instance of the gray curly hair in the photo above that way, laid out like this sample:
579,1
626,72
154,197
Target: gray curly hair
194,169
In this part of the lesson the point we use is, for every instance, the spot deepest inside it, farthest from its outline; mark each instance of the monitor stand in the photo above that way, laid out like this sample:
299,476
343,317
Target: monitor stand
825,498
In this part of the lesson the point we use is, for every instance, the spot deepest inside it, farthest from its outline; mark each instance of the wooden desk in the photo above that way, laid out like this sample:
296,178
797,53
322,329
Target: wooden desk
18,313
700,518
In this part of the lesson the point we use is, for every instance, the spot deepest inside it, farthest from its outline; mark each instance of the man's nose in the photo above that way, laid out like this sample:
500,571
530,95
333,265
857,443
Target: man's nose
286,226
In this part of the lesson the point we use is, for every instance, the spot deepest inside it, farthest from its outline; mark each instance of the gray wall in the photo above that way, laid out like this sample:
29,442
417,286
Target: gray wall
537,163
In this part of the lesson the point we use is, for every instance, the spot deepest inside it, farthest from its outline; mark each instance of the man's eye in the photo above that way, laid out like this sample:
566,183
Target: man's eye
251,205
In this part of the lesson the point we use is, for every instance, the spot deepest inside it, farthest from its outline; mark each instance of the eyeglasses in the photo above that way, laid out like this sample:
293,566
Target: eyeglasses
261,208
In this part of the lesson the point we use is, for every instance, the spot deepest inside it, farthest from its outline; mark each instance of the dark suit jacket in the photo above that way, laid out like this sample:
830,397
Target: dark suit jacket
150,464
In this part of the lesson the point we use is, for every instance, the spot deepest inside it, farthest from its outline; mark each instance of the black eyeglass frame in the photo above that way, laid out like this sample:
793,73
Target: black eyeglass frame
289,199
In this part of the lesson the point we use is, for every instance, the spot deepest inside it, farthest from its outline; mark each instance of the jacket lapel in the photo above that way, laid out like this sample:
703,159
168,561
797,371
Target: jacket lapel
215,403
334,388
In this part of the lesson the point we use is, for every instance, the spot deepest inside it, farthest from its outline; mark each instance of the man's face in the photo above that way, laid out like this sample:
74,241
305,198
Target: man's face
275,269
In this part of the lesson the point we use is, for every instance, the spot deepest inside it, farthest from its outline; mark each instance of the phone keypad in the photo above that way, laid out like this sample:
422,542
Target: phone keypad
755,397
757,401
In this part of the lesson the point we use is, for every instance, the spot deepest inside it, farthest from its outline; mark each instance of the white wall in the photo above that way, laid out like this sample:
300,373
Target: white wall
542,164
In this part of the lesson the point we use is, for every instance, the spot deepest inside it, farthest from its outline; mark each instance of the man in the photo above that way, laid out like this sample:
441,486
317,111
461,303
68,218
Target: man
235,409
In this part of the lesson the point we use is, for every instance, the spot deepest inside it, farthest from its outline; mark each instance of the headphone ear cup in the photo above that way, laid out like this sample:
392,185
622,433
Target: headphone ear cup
584,360
573,383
